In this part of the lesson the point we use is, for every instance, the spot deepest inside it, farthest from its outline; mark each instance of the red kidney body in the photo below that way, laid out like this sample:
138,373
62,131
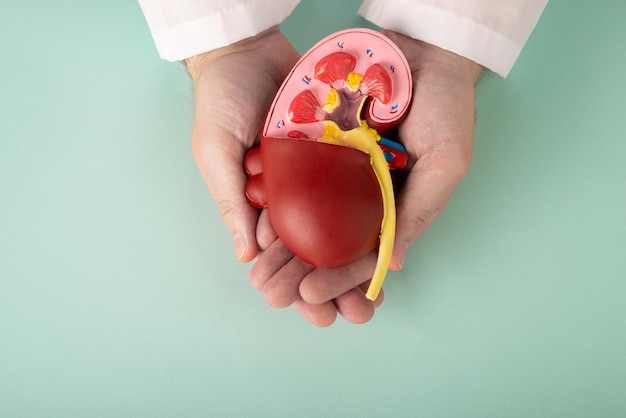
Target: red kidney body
325,205
324,199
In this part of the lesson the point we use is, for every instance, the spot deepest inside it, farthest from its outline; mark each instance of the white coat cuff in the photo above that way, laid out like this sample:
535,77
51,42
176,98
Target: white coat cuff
214,29
459,34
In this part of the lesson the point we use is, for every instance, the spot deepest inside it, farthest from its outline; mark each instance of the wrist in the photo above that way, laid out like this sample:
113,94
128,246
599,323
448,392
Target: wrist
423,56
196,64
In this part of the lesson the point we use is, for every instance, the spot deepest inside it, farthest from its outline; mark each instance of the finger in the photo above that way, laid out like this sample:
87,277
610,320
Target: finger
354,307
265,234
320,315
281,290
381,295
222,169
424,194
269,263
322,285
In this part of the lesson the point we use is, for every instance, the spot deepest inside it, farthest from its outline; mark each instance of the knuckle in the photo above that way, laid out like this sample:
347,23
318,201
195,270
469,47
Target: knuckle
227,208
420,219
459,164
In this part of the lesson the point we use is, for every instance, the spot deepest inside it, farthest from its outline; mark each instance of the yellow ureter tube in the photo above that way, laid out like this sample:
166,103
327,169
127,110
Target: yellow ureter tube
388,225
365,139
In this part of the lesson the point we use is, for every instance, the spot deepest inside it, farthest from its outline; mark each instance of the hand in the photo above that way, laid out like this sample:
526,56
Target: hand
317,294
438,135
234,87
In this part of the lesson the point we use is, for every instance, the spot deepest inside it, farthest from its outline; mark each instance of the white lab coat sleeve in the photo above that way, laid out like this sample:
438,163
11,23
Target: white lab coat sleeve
489,32
183,28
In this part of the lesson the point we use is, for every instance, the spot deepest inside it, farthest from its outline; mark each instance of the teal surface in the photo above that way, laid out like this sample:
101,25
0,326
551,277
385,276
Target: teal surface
120,294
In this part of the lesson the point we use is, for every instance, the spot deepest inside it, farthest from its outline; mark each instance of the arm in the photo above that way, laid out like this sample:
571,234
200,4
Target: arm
438,134
447,44
228,49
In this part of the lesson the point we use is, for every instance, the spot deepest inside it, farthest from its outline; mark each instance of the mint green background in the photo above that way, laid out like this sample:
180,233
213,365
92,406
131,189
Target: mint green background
120,294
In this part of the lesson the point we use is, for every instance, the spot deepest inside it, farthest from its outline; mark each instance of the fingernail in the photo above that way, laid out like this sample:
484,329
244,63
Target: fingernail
240,247
401,255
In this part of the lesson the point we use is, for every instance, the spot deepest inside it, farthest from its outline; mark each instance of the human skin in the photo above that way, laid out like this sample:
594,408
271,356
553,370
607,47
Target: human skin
235,85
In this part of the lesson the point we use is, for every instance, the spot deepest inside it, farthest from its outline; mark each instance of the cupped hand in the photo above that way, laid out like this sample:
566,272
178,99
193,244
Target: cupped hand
438,134
317,294
233,88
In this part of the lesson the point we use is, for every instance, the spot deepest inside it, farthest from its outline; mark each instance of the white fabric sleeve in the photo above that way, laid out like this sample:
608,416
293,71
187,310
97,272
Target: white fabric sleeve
489,32
183,28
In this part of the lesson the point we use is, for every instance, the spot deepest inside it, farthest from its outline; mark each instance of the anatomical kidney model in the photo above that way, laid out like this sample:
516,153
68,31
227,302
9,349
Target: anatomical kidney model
322,167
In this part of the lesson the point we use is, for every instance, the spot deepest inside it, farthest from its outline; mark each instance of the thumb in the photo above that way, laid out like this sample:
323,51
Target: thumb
221,165
422,198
